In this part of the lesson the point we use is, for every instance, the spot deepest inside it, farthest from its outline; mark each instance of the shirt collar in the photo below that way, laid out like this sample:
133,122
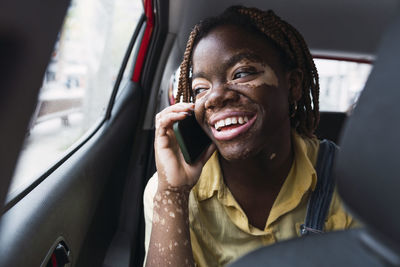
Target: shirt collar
211,179
301,178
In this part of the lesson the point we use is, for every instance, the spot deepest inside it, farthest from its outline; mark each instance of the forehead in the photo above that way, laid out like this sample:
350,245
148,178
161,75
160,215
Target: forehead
232,43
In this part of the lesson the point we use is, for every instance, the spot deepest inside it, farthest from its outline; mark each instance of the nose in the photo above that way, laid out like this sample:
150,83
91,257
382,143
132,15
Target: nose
219,96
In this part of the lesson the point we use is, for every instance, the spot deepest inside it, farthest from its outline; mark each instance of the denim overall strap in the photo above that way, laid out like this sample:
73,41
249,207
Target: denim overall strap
319,203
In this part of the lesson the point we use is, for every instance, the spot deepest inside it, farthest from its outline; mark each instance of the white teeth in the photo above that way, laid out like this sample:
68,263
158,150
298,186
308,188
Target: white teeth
219,124
230,121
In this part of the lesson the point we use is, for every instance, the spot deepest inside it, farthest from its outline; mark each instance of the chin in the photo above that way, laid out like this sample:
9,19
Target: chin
236,153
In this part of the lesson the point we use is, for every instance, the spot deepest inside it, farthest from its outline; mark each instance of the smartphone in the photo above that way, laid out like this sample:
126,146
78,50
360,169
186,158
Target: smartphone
191,138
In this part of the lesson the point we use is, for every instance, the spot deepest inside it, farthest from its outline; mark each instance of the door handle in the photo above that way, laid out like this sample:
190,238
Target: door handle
59,255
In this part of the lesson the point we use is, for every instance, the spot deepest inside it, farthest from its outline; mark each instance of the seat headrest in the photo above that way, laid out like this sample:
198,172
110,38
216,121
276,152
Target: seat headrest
368,165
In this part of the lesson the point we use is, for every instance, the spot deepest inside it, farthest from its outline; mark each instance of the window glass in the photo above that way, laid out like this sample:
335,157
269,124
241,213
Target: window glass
341,83
78,82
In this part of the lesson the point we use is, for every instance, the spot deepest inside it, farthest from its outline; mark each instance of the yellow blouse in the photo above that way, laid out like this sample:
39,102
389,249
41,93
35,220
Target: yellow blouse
219,229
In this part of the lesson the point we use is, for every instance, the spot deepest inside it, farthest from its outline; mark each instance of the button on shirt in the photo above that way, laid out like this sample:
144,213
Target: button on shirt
219,229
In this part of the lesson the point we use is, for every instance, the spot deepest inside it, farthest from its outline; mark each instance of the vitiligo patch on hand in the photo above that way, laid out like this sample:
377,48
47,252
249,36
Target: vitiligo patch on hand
168,208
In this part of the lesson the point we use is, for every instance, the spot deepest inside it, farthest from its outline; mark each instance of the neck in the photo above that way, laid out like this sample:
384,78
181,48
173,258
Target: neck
255,182
265,171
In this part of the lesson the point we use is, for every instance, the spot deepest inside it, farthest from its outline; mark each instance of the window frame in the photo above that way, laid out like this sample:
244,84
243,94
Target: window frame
360,60
12,198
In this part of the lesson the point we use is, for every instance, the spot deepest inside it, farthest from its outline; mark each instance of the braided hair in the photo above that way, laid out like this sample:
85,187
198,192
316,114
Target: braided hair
294,52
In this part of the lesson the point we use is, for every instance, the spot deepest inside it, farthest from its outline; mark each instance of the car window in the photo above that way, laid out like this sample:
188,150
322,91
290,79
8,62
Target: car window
341,83
78,83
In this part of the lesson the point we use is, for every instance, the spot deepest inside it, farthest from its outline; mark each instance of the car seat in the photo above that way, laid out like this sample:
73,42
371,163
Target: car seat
367,173
330,125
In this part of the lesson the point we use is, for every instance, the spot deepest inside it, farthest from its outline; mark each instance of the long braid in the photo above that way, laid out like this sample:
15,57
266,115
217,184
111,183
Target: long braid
291,41
184,86
306,118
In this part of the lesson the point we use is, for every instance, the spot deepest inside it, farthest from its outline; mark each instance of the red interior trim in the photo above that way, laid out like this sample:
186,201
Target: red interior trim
148,10
356,60
54,260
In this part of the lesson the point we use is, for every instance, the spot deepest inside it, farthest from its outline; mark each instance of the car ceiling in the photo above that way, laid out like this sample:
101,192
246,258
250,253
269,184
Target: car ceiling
345,28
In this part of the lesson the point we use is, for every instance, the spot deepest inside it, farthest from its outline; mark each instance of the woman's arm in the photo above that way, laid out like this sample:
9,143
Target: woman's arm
170,236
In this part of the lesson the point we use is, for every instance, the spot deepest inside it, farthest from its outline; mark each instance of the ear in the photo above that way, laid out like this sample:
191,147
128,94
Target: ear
295,79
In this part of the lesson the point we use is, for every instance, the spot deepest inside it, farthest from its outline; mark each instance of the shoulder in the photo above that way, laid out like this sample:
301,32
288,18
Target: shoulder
339,218
150,191
148,196
312,145
307,146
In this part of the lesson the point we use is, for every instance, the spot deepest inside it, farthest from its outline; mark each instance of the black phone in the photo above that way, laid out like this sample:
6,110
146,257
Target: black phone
191,138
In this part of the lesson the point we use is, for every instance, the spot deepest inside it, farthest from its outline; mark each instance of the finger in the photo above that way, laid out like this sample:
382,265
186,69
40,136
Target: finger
168,119
179,107
165,121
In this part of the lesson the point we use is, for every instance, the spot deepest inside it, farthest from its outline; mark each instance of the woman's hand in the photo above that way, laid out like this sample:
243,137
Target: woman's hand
173,171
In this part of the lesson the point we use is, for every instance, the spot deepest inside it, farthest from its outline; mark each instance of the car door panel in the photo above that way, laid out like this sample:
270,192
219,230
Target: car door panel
77,201
94,195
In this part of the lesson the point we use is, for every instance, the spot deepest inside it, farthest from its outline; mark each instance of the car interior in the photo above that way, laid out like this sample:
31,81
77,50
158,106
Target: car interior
86,208
365,171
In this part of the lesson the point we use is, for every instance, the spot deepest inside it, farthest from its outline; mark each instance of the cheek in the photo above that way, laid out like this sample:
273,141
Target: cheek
256,92
268,78
199,110
270,99
276,103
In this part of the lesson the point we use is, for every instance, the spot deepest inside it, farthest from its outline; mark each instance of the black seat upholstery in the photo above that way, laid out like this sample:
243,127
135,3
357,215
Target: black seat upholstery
330,125
367,170
337,249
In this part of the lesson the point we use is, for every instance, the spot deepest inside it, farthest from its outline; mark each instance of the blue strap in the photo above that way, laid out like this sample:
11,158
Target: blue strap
319,203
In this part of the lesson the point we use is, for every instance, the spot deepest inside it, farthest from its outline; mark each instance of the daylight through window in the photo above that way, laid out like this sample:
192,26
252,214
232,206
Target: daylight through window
78,82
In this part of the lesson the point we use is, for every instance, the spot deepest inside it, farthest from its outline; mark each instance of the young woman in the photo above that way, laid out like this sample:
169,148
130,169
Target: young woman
253,86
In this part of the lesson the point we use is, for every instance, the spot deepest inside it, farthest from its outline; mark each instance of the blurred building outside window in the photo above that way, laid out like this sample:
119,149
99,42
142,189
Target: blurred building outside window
341,83
78,82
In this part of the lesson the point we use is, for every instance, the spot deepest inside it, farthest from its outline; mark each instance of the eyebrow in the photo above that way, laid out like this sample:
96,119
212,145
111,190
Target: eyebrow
239,57
232,61
198,75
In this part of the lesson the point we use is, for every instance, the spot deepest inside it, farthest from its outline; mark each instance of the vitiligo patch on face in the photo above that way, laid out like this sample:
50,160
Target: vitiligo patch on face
267,77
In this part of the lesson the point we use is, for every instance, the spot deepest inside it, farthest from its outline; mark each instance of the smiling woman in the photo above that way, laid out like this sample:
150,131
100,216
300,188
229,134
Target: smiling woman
253,84
255,91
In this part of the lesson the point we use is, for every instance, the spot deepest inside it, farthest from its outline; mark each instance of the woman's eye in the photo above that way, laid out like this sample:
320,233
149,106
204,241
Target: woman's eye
199,90
243,73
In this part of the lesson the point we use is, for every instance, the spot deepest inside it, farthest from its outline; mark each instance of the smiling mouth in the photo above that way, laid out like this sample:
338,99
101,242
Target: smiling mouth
221,124
231,127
